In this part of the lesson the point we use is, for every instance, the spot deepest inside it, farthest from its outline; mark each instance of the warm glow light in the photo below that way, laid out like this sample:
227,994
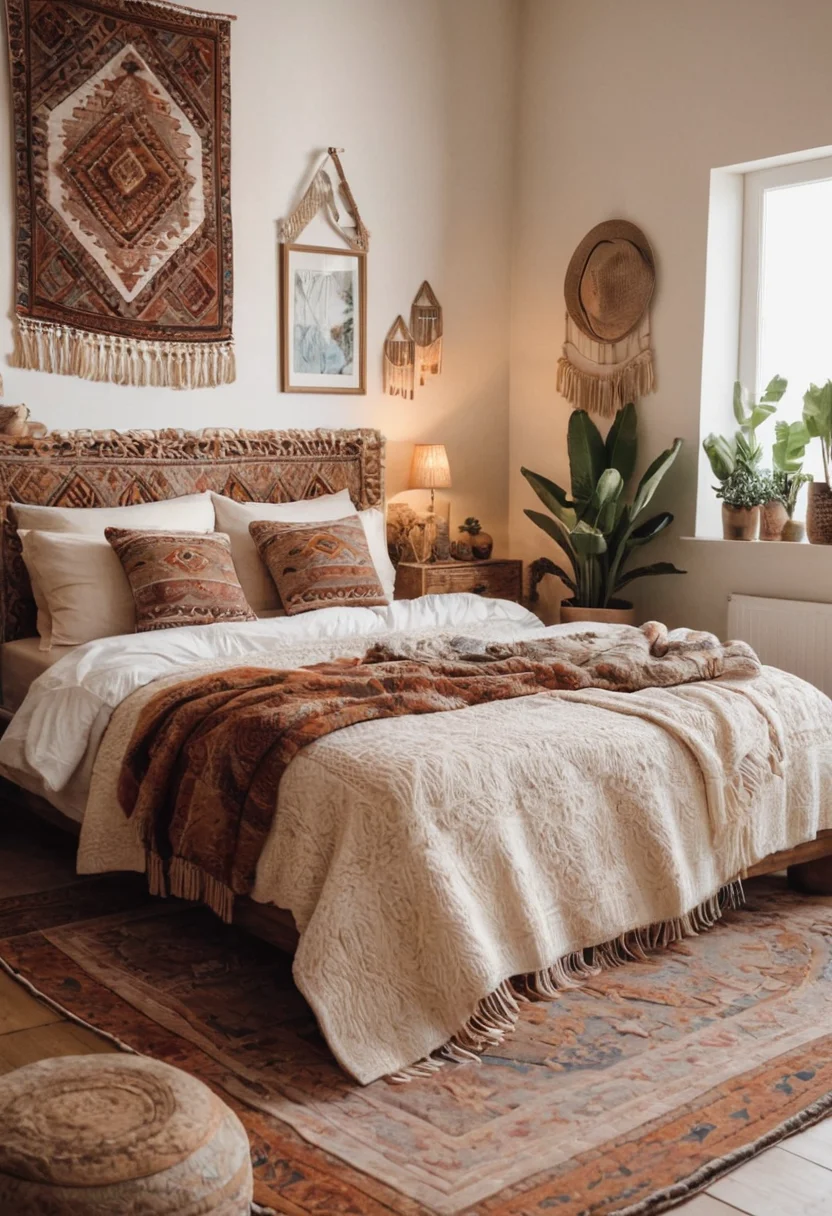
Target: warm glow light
430,469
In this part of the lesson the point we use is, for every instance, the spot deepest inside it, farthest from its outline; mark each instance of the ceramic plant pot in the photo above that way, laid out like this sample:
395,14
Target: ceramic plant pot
740,523
621,614
819,513
773,519
794,530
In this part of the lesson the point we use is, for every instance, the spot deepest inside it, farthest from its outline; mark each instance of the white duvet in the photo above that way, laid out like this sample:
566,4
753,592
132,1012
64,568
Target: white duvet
428,859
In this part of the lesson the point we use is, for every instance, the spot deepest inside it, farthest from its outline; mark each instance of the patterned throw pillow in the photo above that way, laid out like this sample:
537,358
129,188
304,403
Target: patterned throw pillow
319,565
180,578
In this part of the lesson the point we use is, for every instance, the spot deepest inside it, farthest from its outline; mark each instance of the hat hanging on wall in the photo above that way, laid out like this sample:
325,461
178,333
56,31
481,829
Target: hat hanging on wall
607,360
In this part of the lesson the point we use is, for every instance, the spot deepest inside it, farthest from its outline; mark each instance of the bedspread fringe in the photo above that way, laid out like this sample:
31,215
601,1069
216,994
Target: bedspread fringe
186,881
496,1016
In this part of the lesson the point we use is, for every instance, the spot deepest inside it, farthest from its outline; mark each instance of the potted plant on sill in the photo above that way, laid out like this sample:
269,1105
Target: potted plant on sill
817,414
596,528
744,488
787,456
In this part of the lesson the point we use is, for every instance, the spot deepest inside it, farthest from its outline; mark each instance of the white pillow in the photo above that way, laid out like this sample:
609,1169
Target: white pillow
234,517
189,513
82,585
375,529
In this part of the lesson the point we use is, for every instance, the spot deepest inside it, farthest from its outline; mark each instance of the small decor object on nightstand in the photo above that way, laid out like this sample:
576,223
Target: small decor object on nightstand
473,544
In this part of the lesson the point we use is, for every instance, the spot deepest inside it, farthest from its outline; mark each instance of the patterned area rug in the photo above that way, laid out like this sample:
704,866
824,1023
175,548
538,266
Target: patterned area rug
620,1097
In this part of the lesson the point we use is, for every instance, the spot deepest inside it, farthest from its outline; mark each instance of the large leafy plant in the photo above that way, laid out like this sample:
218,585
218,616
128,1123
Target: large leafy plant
595,527
817,414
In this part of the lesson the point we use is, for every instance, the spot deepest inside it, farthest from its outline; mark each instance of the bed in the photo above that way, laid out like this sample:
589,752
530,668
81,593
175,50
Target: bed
436,943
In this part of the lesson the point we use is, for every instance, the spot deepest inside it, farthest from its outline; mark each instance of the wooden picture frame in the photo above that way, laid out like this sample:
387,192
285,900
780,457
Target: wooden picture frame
343,359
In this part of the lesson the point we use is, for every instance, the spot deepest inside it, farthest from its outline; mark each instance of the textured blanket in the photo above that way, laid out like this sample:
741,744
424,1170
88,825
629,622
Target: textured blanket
202,770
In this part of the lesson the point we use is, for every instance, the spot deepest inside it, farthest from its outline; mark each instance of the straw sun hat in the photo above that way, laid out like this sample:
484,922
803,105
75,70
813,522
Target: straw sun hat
610,280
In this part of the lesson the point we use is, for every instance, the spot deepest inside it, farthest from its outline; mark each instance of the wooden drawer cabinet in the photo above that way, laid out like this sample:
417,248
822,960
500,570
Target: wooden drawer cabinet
499,578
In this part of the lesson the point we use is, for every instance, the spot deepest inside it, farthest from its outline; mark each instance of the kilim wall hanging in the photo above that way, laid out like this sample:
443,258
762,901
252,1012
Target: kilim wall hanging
426,328
122,151
607,358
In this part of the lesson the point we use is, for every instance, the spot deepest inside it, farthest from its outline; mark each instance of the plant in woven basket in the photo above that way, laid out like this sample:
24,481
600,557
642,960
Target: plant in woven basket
596,528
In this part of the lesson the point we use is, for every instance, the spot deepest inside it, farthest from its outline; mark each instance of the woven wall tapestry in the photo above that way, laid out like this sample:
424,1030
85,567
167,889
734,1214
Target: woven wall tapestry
122,147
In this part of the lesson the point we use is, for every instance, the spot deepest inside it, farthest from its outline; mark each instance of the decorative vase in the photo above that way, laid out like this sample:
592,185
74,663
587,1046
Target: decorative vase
819,514
622,613
481,546
740,523
773,519
794,530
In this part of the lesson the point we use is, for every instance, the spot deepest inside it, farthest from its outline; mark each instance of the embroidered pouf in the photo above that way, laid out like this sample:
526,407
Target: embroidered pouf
102,1134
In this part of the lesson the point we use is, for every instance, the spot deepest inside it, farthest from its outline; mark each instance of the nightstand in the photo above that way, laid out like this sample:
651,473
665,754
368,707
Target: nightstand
497,578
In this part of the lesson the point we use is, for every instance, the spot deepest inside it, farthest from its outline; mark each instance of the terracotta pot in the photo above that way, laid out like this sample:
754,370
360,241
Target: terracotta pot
773,519
622,614
794,530
740,523
819,513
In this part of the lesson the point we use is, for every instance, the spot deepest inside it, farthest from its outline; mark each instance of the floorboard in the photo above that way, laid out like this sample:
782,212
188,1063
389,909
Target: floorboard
777,1183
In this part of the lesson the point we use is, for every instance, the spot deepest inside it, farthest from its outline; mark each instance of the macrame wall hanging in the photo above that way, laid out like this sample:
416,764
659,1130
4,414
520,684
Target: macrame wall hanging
607,359
426,328
320,196
399,360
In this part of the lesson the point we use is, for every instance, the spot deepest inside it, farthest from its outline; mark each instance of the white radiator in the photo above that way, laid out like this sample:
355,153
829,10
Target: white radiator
790,634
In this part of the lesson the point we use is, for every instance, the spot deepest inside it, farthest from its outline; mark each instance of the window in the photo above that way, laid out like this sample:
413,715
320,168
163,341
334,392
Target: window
786,292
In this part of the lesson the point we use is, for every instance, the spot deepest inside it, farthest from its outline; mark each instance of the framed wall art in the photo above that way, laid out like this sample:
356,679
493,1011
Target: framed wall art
323,319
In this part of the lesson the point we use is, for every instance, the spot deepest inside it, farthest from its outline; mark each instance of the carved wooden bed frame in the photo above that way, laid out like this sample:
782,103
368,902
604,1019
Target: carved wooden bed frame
112,468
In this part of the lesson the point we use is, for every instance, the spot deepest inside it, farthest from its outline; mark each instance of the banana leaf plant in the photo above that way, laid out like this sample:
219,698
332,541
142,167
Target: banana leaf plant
817,414
744,450
787,455
595,527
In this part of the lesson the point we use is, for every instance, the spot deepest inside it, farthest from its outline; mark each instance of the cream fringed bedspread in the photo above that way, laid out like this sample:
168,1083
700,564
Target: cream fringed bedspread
427,860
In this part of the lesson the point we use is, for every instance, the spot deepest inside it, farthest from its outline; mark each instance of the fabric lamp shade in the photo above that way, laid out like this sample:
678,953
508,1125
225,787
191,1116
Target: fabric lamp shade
430,469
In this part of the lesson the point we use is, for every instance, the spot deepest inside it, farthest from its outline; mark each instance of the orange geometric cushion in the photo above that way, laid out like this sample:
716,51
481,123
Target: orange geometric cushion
319,565
180,578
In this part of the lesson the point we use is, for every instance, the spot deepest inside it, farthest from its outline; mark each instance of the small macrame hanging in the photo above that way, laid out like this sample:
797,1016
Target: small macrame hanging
426,327
320,196
399,360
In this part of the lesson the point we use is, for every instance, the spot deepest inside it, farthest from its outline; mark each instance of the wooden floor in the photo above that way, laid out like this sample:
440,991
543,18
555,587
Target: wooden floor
794,1179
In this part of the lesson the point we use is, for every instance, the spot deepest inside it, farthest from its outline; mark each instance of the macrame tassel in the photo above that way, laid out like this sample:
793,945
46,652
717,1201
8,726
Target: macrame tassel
426,326
602,377
65,351
399,361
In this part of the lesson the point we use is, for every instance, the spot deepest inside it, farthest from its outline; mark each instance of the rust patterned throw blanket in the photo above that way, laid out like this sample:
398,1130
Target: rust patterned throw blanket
201,773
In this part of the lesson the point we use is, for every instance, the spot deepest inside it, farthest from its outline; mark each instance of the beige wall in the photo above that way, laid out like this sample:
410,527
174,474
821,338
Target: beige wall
623,111
421,97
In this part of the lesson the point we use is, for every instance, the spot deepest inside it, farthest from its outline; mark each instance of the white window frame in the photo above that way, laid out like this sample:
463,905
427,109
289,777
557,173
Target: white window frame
755,186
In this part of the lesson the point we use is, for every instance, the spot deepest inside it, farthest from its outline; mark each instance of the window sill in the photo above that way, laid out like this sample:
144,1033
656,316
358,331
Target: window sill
751,544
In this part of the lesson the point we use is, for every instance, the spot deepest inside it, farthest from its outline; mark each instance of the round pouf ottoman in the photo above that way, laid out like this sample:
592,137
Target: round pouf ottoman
101,1135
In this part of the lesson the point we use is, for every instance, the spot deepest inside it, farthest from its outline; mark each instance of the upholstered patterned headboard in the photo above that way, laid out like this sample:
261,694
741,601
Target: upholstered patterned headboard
117,468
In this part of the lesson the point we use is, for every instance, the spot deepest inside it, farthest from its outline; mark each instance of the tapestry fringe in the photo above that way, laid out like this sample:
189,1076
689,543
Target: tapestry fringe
605,394
65,351
496,1016
186,8
188,881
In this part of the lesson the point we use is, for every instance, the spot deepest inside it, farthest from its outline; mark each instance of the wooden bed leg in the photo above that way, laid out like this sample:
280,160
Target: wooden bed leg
812,877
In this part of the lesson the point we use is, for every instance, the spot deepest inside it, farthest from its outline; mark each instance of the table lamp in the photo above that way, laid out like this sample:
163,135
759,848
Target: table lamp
430,470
